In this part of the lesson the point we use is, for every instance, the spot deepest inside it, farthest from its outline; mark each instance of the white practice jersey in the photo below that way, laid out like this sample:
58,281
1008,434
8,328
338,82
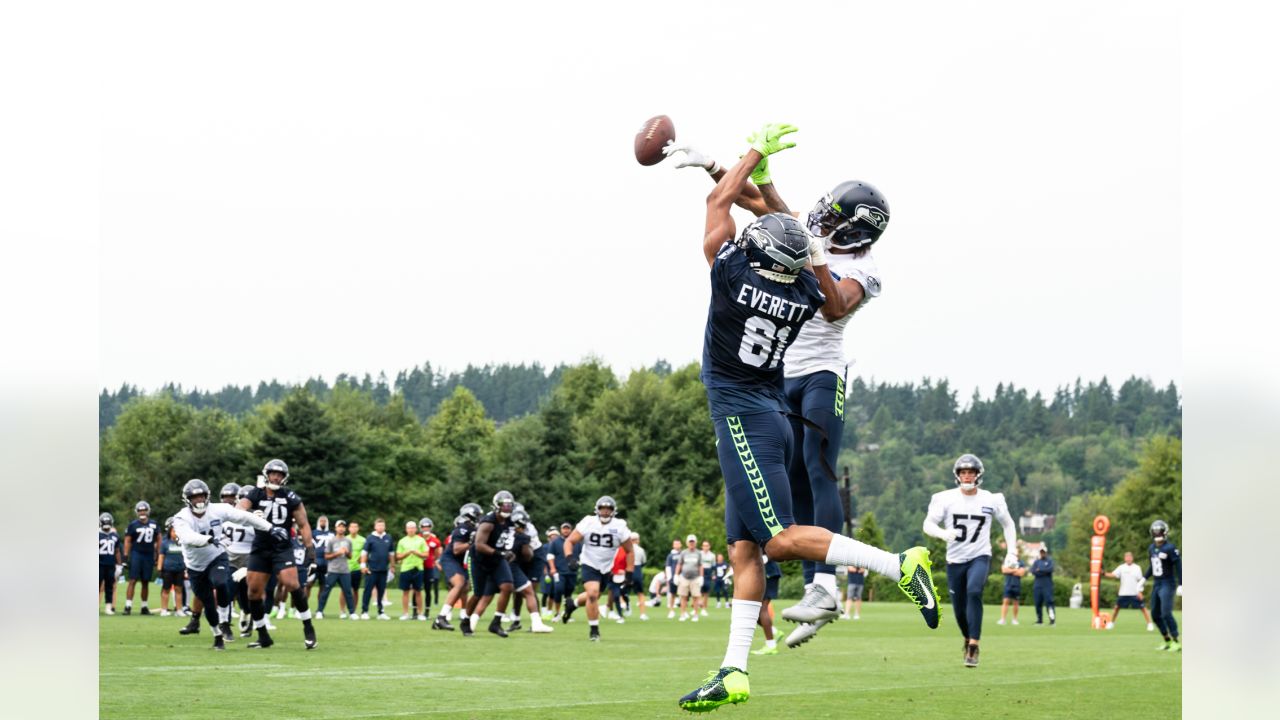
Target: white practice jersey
532,531
1131,579
820,344
600,541
973,515
191,528
237,538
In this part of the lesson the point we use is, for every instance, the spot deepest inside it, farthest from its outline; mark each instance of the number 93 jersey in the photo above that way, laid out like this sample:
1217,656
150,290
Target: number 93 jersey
600,541
972,516
750,323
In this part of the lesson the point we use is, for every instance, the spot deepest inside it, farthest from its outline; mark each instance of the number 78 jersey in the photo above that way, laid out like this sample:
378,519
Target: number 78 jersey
972,516
600,541
750,322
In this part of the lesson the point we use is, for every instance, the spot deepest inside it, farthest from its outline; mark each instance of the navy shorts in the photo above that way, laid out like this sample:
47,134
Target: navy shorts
518,576
271,561
1129,602
637,580
530,572
452,566
590,574
568,583
1013,593
141,567
487,579
771,588
410,579
753,452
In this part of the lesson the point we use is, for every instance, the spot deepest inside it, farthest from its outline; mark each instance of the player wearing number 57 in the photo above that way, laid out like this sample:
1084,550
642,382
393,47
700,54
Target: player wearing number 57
962,516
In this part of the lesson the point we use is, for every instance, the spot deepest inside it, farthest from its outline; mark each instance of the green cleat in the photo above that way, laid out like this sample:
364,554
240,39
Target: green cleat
726,686
1175,646
1164,645
766,650
917,583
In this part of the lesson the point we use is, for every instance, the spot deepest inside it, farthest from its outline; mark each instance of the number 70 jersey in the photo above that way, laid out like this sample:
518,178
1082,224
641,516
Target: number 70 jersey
750,322
973,516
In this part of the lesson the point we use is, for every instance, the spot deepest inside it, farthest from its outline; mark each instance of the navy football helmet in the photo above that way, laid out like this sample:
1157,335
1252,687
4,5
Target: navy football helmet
105,520
967,461
851,216
1159,530
777,246
605,502
425,524
275,466
196,488
471,512
520,519
142,508
504,503
230,490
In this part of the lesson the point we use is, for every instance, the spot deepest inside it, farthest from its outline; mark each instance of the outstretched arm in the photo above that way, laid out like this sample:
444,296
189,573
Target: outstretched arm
750,199
719,227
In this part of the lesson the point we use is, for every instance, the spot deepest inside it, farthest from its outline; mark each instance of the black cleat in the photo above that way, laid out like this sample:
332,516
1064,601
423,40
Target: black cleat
144,611
495,627
263,642
569,607
192,627
515,625
971,656
218,643
225,629
466,627
441,623
246,625
595,633
309,635
128,610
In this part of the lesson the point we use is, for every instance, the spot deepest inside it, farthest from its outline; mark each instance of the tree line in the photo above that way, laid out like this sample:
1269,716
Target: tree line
429,442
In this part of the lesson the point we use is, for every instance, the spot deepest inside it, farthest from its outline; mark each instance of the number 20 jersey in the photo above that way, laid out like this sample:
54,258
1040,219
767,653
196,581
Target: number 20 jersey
600,541
973,515
750,322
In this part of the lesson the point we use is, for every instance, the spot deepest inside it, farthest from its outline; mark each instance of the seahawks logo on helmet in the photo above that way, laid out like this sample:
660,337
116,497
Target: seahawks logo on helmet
196,488
470,512
777,246
873,216
1159,529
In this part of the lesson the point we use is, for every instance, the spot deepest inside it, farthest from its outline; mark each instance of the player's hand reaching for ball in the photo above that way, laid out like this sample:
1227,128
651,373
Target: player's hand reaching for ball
692,157
768,140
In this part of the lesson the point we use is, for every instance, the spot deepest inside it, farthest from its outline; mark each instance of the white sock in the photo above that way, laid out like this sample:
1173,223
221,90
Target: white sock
828,582
847,551
537,620
475,621
593,623
128,603
305,614
224,614
446,612
742,631
144,603
771,642
259,624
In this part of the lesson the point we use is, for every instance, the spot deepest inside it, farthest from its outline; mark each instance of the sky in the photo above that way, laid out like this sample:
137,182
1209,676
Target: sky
324,190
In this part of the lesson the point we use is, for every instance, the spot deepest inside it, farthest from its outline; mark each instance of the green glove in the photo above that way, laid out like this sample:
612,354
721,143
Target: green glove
769,139
759,176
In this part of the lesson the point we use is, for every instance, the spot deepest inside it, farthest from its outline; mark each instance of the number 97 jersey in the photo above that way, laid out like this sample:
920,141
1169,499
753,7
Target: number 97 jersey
600,541
972,516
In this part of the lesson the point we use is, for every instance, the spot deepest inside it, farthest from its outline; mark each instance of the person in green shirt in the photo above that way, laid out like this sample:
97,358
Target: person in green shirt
357,546
410,552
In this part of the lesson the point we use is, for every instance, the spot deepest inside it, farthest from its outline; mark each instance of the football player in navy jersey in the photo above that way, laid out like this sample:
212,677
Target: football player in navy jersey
141,546
761,294
109,559
272,553
528,567
491,555
453,564
1166,568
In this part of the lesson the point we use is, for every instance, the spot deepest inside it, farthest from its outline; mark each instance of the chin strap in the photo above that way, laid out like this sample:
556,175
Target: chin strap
777,276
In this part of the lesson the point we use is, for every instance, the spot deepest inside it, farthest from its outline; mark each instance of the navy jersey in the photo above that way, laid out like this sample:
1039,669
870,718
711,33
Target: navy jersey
502,537
107,542
1013,583
518,541
171,550
1166,562
555,549
1042,569
750,322
144,536
463,534
721,569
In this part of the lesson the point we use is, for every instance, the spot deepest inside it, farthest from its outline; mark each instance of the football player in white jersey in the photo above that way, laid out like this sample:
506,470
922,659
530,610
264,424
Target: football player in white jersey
199,529
963,517
601,534
848,220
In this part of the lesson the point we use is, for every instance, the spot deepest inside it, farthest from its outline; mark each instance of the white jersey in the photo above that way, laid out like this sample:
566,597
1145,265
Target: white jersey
600,541
973,515
820,344
237,538
532,531
197,552
1131,579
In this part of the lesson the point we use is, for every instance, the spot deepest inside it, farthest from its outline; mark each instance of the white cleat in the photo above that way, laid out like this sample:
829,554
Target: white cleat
541,628
704,612
671,614
695,617
817,604
319,615
804,633
404,617
1151,627
383,616
644,618
164,613
998,622
1015,620
684,616
1111,626
364,616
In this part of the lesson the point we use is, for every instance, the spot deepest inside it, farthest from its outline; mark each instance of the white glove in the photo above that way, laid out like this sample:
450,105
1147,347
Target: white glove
556,577
119,570
240,574
619,577
692,158
817,254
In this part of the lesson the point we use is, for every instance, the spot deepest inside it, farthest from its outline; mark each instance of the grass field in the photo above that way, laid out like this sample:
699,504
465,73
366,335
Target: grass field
885,665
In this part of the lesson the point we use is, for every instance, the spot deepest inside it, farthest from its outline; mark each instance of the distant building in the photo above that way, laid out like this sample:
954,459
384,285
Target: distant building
1035,524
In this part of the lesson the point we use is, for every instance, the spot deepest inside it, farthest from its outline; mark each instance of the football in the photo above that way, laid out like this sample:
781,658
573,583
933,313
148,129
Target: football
656,132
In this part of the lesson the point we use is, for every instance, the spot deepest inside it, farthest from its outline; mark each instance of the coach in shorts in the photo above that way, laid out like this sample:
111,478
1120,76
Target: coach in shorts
1131,580
689,578
411,552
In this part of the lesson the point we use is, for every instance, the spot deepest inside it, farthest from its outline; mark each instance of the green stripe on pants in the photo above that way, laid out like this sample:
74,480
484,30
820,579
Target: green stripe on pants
754,476
839,408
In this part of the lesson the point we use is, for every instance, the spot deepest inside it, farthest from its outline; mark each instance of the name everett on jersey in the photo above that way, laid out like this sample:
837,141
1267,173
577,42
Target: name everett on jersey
769,304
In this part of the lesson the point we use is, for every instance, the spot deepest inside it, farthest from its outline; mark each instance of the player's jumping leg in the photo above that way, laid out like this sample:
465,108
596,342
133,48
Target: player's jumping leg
729,684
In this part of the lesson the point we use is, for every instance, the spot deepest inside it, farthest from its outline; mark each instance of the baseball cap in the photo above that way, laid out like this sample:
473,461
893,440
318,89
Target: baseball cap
692,537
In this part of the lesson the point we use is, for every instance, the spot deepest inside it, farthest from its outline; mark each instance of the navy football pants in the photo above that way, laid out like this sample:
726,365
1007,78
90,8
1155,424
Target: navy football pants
815,497
753,452
1162,608
965,582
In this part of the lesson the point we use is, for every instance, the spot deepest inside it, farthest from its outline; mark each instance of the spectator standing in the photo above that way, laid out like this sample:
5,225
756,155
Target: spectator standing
411,553
551,576
689,578
1042,587
353,567
172,571
320,534
853,592
708,567
375,563
431,564
1131,581
721,589
337,554
637,575
673,559
1013,573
